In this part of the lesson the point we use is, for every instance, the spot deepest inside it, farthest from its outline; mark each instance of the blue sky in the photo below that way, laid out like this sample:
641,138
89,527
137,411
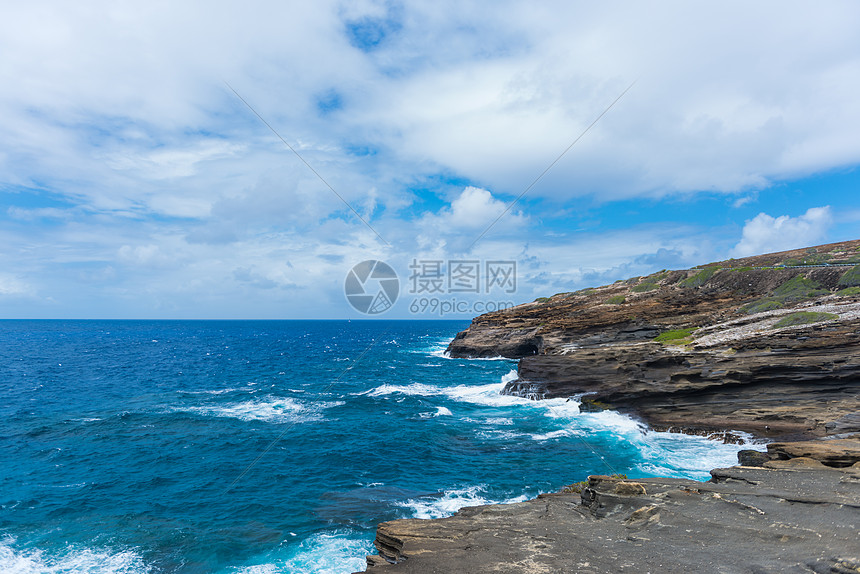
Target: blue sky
135,184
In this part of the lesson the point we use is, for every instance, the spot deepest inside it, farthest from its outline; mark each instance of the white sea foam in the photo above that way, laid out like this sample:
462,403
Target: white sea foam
679,455
496,434
268,409
555,434
452,501
666,454
323,553
498,421
71,560
662,453
487,395
412,389
443,412
216,391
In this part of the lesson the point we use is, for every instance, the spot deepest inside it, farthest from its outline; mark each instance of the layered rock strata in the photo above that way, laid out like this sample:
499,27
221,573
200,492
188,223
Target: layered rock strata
795,517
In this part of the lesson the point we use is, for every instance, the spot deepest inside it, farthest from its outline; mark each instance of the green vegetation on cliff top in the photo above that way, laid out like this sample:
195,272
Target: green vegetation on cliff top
797,288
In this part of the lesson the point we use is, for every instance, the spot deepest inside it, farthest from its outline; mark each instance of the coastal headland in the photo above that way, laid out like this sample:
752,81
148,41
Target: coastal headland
769,345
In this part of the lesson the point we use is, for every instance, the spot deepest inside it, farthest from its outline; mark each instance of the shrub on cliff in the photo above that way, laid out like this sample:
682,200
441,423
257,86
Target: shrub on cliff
674,335
699,278
809,259
616,300
851,278
795,289
798,288
804,318
766,304
644,286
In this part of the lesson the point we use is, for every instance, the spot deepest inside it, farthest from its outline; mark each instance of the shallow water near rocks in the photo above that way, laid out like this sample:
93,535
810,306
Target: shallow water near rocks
274,446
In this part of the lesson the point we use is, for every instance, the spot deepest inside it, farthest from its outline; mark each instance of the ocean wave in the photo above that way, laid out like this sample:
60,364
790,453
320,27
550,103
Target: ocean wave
661,453
565,432
451,501
681,456
498,434
217,391
503,421
487,395
322,553
420,389
71,560
267,409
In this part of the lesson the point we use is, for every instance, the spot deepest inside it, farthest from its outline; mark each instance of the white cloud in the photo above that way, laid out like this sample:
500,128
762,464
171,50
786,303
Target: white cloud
38,213
475,208
766,234
741,201
137,168
13,286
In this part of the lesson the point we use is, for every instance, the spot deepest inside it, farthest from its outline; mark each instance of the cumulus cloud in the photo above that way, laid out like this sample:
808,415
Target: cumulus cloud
766,234
455,228
475,208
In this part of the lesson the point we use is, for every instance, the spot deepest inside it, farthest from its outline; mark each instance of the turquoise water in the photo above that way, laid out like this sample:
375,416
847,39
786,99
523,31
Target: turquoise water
273,446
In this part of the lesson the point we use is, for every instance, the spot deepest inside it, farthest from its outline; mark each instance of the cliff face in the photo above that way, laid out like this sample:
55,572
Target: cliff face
749,344
793,382
640,308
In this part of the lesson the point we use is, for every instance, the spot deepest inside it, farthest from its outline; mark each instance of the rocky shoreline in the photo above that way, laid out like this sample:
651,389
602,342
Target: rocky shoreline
794,517
765,345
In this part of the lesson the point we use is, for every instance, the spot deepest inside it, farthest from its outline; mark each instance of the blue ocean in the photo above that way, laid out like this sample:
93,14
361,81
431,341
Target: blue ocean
274,446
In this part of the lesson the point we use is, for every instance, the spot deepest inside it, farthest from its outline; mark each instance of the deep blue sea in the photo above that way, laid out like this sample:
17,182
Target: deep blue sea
274,446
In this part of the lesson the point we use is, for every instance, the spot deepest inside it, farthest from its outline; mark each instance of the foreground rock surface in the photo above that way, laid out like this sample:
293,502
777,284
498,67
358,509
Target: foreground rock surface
798,516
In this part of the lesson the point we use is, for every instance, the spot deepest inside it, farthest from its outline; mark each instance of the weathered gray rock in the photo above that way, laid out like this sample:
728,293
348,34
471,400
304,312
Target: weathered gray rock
849,423
745,520
833,452
779,385
752,458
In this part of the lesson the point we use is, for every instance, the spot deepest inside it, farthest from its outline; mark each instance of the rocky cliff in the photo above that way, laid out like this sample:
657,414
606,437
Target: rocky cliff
767,344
